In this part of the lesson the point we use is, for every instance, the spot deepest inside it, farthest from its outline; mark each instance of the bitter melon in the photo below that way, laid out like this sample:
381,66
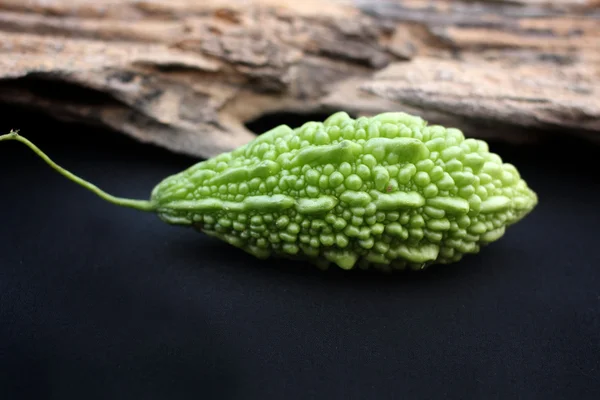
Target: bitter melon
385,192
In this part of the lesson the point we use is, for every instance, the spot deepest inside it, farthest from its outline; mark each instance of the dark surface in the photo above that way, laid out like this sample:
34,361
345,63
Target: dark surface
103,302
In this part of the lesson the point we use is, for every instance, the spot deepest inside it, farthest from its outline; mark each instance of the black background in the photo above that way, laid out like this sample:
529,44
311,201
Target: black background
103,302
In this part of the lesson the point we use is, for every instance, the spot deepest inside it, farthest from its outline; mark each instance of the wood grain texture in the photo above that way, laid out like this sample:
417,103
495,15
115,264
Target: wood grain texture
187,75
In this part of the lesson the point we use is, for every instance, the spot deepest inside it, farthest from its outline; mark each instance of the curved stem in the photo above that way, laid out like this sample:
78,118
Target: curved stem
142,205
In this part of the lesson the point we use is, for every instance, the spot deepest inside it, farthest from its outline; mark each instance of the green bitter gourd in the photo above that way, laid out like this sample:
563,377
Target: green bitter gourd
386,192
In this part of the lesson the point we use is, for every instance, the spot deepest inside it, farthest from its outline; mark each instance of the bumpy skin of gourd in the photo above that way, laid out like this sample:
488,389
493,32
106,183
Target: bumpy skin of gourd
387,192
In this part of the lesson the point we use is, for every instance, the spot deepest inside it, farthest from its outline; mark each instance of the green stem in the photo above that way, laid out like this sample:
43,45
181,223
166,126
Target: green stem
142,205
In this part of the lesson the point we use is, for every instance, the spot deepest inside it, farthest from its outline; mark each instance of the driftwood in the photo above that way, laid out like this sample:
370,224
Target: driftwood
188,75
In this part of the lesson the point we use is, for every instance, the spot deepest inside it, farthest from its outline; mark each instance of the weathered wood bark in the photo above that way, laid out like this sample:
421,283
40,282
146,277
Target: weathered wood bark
187,75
